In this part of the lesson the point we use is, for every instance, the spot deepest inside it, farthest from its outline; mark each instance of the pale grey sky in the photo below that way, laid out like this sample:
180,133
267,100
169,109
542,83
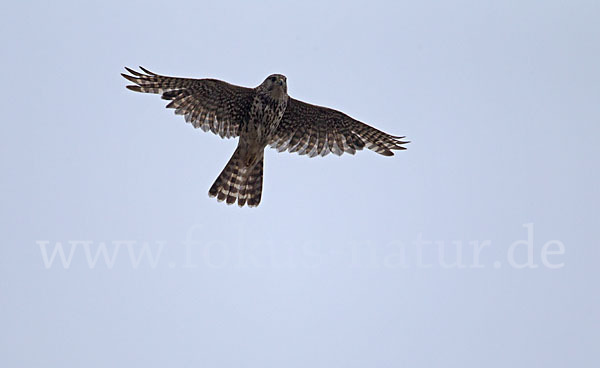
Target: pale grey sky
340,265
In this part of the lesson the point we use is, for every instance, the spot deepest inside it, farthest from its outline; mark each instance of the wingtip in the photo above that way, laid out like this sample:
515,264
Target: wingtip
130,78
146,70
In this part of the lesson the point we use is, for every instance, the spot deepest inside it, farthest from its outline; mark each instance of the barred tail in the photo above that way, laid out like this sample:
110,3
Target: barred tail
238,182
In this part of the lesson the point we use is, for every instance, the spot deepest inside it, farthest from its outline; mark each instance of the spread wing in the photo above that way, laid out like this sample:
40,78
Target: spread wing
316,130
209,104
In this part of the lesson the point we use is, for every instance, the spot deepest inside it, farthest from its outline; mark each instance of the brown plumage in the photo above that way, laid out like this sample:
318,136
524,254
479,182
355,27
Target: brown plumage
260,116
239,182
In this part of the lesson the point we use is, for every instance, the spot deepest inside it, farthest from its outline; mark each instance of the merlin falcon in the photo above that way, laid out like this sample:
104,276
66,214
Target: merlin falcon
261,116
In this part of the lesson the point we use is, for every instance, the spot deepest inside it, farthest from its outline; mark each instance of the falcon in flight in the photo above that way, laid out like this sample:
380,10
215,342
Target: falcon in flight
260,116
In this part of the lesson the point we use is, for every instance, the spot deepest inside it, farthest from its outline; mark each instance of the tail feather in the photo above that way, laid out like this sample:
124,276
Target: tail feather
237,182
251,190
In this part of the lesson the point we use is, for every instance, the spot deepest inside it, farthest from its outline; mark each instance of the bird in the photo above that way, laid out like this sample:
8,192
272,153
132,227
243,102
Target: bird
262,116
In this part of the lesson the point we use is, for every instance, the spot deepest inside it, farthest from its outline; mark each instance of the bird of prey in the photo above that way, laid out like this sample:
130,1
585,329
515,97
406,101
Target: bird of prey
260,116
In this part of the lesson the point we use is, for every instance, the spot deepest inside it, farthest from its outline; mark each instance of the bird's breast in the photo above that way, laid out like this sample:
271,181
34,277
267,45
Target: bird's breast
264,117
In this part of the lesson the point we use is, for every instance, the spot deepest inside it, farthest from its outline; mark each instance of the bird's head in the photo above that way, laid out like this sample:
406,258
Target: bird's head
275,85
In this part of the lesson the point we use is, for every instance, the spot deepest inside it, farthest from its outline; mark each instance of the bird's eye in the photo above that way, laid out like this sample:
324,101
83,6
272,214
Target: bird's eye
273,79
